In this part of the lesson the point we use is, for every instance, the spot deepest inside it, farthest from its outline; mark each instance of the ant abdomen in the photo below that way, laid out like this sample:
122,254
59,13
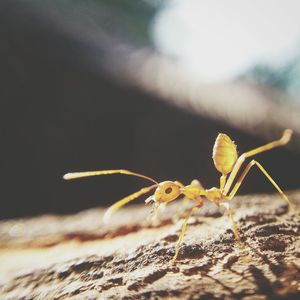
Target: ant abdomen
224,153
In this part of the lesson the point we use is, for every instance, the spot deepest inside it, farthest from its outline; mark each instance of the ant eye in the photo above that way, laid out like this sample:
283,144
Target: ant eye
168,190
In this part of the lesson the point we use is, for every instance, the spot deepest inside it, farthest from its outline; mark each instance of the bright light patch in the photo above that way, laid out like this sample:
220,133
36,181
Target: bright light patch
216,40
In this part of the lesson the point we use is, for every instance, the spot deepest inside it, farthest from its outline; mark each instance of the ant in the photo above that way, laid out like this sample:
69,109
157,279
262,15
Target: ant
226,161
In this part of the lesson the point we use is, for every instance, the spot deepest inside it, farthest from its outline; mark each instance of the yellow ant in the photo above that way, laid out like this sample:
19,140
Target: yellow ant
226,161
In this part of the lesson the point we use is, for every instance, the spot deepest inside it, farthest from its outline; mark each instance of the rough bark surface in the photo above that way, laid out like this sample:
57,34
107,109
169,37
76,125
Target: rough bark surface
78,257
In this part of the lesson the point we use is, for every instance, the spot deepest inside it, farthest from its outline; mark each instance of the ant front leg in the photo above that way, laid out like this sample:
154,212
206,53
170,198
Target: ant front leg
183,230
154,213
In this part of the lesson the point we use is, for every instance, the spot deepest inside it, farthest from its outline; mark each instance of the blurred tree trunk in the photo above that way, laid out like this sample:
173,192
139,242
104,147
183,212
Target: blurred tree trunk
77,257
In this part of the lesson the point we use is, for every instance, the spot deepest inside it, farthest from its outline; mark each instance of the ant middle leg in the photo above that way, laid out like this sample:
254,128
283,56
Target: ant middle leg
233,222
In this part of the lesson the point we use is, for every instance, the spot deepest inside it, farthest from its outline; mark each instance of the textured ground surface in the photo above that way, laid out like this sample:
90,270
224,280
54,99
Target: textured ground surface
77,257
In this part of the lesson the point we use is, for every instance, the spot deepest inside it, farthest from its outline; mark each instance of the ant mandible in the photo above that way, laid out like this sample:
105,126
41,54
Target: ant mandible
226,161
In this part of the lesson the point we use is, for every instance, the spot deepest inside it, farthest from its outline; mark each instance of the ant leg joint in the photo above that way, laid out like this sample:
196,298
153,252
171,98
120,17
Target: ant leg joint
242,157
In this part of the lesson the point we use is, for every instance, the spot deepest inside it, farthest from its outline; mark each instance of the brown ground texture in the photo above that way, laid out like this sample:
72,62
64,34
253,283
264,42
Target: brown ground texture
78,257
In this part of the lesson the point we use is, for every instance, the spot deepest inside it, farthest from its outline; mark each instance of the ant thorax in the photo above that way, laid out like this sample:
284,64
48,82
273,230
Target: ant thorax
214,194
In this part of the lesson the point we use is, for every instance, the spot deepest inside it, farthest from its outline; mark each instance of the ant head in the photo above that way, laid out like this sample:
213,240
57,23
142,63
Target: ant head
167,191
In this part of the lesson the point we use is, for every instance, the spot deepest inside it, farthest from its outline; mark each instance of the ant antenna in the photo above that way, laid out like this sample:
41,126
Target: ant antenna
122,202
77,175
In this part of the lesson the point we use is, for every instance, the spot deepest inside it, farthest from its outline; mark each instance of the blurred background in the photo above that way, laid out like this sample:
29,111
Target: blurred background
144,85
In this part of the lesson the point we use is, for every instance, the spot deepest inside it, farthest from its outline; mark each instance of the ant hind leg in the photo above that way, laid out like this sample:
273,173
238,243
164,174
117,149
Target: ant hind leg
263,170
